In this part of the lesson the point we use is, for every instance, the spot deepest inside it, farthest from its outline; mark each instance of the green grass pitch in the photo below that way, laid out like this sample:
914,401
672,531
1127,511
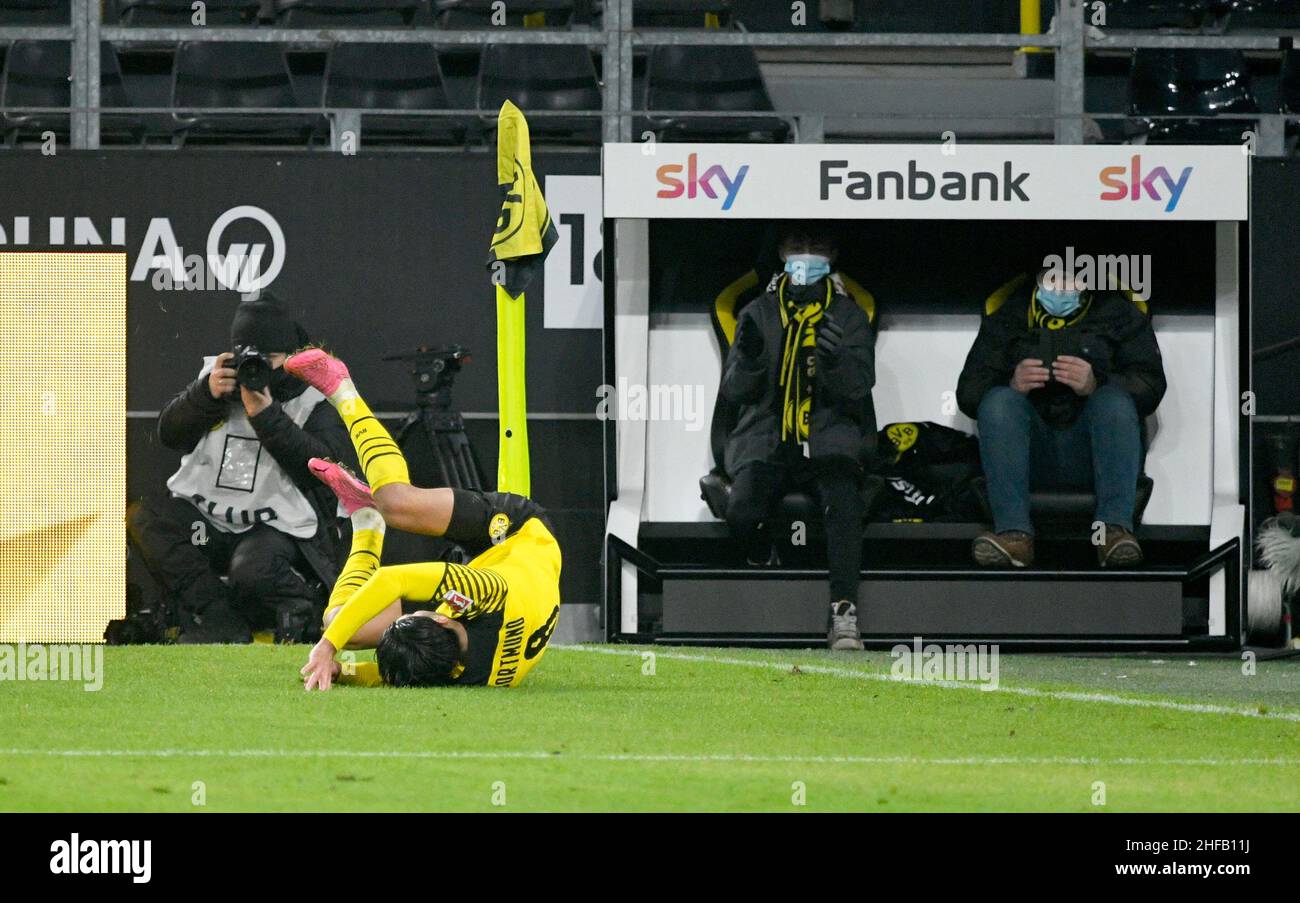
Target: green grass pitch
708,730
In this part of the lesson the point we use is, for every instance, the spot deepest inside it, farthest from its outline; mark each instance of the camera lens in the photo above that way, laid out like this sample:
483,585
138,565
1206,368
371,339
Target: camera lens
253,373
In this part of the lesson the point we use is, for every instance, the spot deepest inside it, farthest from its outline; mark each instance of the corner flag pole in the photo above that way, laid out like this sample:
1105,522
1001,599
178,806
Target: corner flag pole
512,399
524,234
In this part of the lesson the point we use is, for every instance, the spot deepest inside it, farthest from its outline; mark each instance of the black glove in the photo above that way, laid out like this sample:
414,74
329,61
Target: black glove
749,339
830,337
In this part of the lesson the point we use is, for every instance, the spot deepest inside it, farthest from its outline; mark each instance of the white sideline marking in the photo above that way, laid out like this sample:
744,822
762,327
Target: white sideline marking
1069,695
630,757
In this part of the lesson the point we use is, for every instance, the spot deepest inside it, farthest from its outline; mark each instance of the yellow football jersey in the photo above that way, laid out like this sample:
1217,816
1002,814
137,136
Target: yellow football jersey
509,600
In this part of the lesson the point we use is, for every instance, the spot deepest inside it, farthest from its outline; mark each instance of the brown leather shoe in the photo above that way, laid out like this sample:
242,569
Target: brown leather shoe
1121,549
1013,548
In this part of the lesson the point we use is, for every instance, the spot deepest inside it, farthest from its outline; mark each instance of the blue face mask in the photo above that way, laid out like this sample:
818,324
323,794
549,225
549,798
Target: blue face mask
1059,303
805,269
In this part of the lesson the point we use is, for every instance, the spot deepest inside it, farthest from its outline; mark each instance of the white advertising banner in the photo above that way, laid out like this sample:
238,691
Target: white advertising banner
575,297
656,180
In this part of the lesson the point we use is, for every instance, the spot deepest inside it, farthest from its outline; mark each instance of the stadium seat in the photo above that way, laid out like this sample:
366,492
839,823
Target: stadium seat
392,76
178,13
345,13
120,125
681,13
543,78
877,16
1263,14
1198,84
35,12
713,79
1141,14
221,75
1288,88
480,13
36,74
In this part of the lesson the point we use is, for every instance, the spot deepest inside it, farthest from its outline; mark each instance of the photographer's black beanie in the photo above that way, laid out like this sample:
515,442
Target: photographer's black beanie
262,321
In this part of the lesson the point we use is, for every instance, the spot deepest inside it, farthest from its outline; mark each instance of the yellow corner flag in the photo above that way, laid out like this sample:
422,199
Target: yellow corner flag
524,234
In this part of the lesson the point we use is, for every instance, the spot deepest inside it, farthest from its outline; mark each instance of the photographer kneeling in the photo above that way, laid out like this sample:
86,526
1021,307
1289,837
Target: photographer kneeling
1059,379
243,501
801,368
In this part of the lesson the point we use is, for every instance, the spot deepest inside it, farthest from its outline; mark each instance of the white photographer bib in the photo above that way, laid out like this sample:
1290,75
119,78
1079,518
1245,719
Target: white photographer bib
236,483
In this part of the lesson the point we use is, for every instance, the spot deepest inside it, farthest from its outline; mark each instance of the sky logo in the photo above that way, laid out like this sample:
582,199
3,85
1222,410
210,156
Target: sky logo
1113,178
709,182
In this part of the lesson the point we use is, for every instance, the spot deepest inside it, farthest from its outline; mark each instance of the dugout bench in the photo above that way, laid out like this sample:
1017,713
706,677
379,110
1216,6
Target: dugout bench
672,572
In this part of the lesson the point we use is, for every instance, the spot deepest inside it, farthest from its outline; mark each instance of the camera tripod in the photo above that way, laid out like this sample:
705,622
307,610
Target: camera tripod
450,459
433,439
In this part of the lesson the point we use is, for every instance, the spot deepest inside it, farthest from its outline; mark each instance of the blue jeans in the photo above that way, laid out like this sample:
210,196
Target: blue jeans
1101,451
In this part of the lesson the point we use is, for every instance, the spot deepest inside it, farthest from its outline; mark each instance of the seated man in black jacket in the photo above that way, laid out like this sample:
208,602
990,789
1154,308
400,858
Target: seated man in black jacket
243,502
1058,379
802,367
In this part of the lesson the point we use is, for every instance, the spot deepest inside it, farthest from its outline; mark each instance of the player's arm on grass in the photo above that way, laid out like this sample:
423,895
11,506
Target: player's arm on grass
362,620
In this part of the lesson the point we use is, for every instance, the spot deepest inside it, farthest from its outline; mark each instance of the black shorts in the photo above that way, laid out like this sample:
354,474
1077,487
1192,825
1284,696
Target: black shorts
480,520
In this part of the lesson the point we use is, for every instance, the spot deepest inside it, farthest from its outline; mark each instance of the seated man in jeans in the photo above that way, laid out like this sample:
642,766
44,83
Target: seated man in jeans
1059,379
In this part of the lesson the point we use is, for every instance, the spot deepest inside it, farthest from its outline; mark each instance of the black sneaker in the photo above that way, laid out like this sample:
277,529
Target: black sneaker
294,620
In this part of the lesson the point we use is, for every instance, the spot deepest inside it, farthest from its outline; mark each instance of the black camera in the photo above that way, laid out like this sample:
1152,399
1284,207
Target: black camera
252,368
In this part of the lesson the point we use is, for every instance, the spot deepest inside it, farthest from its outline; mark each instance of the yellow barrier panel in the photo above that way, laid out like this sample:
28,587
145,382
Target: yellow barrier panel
63,445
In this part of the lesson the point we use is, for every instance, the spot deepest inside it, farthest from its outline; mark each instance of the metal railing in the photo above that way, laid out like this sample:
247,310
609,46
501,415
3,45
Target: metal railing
618,42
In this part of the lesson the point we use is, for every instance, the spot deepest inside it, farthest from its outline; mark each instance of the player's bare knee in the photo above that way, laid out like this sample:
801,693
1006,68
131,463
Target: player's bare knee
388,499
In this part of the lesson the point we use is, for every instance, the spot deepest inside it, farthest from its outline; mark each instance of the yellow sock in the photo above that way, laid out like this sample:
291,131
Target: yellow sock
381,459
367,545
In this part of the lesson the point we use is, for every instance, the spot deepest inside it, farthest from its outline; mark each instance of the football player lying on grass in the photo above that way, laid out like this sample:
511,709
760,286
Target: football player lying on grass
437,623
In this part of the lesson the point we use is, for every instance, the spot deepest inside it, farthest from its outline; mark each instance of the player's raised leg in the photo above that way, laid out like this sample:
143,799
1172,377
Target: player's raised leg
403,506
367,546
381,459
367,534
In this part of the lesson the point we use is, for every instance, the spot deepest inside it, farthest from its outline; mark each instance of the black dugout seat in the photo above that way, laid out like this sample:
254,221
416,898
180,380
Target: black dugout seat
1198,84
392,77
715,486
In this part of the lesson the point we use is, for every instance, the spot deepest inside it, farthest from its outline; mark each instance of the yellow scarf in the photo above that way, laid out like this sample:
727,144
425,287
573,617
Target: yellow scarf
798,361
1038,317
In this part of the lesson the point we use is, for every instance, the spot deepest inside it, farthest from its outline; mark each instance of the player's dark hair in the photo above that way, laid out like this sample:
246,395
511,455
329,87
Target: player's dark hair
417,652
